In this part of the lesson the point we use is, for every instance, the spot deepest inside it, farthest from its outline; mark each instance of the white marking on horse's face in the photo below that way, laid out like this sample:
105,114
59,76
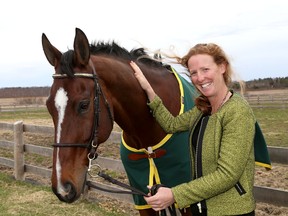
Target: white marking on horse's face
60,104
61,100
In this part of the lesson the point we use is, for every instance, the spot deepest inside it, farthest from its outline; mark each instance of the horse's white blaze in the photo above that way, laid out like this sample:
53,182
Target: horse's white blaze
61,100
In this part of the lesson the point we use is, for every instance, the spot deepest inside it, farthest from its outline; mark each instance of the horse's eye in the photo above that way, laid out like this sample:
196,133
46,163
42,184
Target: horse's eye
83,106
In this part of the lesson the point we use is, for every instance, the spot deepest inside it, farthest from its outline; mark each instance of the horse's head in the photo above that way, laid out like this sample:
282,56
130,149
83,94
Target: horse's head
75,101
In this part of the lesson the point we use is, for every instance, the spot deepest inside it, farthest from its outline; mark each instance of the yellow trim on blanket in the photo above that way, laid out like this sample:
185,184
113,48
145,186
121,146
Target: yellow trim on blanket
181,91
162,142
153,173
268,166
142,207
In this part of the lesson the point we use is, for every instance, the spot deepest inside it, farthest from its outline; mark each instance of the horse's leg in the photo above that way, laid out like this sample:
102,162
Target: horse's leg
148,212
186,212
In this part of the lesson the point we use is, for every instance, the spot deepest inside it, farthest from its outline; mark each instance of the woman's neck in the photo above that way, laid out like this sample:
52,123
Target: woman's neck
219,102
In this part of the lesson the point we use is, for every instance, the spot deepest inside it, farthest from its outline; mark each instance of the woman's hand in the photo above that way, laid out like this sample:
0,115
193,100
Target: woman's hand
143,81
161,200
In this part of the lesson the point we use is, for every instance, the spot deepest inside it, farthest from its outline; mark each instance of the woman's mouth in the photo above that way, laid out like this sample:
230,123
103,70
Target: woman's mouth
206,85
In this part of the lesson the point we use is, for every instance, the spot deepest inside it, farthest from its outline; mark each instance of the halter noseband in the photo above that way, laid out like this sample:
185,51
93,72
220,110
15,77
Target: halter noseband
93,144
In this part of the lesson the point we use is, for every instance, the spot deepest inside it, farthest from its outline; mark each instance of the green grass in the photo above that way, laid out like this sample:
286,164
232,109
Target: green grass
22,198
274,124
17,115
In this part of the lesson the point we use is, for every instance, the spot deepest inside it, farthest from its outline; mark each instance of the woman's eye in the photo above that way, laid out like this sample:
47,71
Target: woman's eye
193,73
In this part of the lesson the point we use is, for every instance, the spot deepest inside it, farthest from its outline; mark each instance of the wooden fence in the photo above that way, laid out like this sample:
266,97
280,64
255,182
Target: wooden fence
268,101
277,155
17,107
256,101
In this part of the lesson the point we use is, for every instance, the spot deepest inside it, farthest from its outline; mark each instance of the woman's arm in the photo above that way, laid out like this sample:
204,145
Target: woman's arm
167,121
143,81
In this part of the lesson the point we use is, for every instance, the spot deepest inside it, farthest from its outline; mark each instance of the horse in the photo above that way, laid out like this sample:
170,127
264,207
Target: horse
93,87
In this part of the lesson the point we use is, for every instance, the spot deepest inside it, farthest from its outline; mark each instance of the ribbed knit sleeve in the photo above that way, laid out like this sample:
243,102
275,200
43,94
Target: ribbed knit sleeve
170,123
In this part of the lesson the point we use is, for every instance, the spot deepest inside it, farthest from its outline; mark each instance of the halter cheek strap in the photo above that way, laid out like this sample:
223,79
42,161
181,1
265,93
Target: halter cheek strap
93,144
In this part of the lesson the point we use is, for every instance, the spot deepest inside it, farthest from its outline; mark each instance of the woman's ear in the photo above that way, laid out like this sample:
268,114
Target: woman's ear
222,68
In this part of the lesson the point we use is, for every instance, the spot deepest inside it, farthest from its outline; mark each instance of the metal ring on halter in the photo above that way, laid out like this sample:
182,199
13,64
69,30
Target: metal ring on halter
90,161
88,156
92,144
99,169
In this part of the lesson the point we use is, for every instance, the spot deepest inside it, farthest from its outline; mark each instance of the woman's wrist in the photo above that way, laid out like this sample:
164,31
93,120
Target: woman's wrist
150,94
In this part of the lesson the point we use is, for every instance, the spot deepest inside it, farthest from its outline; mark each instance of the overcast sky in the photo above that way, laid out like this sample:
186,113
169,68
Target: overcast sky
254,33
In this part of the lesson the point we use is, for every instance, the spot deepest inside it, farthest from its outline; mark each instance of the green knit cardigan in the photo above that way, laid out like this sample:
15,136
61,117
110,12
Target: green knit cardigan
227,156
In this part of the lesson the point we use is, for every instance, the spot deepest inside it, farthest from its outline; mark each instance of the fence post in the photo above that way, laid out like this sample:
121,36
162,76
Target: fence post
18,151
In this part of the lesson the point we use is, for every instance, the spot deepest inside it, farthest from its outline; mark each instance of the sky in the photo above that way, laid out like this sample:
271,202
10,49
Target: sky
254,33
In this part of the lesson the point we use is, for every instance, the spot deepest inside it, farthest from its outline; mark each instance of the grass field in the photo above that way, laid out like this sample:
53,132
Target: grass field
22,198
274,124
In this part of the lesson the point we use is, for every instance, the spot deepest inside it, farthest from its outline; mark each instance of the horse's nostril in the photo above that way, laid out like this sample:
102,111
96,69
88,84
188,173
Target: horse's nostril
71,192
68,195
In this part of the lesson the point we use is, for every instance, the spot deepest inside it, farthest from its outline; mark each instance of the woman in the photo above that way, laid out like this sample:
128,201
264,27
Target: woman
222,129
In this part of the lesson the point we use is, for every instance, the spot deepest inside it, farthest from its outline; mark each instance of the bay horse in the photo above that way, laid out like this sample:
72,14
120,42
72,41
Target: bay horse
94,86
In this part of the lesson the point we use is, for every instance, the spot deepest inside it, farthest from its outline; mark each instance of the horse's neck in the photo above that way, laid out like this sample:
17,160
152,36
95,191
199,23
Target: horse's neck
130,108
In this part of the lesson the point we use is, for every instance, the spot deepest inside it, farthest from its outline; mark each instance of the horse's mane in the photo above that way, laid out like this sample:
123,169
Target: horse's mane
112,49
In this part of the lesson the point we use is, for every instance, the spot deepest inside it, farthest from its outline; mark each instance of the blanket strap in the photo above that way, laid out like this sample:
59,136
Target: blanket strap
155,154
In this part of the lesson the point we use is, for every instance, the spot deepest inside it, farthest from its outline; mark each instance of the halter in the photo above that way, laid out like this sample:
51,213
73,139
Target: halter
93,144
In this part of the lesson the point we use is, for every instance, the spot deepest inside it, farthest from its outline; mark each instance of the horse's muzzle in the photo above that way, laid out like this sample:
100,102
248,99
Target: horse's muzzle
70,195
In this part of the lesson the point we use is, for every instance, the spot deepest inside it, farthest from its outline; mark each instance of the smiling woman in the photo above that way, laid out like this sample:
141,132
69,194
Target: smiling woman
222,131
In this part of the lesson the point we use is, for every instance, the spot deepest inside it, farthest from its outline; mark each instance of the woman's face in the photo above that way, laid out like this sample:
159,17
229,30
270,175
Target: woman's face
206,75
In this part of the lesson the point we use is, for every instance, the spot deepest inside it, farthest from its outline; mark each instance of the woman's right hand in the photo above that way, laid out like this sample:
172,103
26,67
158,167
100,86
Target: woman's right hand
143,81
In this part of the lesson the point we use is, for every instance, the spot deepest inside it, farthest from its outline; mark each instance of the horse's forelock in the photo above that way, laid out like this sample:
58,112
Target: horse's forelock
66,63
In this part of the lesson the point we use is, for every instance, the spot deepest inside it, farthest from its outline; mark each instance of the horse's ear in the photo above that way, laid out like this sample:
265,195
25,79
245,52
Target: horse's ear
52,54
81,48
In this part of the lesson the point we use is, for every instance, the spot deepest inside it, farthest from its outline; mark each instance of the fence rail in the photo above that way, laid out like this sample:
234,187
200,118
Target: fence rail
268,101
17,107
277,154
256,101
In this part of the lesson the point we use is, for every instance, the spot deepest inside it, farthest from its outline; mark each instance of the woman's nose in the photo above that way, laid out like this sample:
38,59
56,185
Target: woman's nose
200,76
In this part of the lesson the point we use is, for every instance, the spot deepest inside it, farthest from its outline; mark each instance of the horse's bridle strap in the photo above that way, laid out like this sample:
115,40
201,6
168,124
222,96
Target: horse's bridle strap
71,145
131,189
83,75
93,142
97,92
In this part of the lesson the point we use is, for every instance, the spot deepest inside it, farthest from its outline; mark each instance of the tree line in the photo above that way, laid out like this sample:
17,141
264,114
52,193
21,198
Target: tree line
268,83
264,84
